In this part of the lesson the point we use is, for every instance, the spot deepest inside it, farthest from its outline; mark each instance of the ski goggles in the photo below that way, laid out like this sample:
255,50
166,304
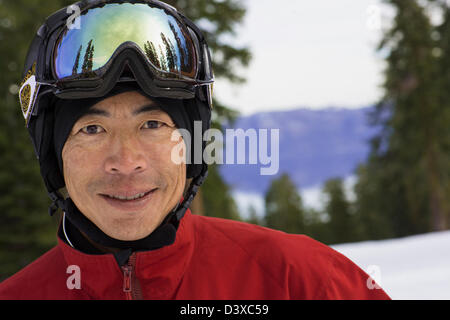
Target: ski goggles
87,50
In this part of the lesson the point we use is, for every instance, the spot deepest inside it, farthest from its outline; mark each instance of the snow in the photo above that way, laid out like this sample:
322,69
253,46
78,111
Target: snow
410,268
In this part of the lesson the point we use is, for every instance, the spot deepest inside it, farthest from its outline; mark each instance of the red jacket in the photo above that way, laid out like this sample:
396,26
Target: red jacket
211,259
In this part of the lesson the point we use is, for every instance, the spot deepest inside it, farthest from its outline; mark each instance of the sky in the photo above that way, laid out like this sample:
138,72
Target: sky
313,54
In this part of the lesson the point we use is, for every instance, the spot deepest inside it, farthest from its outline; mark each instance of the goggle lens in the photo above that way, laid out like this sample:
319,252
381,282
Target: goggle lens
164,41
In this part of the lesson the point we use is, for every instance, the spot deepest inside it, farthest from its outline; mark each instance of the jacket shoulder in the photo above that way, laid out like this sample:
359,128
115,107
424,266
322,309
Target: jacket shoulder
289,261
264,241
256,237
38,280
308,268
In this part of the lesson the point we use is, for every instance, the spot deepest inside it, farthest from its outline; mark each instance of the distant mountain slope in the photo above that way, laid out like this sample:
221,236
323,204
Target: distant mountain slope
315,145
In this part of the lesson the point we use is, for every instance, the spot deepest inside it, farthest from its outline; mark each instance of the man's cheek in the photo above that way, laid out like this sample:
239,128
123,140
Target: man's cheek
164,156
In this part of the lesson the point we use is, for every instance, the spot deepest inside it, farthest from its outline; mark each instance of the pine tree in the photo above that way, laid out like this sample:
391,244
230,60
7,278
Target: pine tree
376,219
342,224
406,177
253,216
87,62
171,57
217,198
317,226
284,210
77,61
442,53
162,59
151,54
183,51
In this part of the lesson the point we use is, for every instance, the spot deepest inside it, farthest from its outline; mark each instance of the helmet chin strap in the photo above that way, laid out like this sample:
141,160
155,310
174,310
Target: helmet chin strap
180,210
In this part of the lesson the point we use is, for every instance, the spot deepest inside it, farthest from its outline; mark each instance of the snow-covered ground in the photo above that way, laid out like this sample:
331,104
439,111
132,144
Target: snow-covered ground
416,267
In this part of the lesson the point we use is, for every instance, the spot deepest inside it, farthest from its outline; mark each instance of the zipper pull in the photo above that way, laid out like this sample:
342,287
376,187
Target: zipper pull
127,271
128,278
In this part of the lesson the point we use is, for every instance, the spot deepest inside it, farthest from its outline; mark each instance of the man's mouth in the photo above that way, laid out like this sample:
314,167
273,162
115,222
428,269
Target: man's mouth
133,198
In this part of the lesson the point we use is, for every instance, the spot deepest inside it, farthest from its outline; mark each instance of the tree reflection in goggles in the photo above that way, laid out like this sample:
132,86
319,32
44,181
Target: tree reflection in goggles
162,39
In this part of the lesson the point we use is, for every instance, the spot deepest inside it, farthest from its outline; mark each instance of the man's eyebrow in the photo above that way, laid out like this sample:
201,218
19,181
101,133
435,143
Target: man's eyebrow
97,112
146,108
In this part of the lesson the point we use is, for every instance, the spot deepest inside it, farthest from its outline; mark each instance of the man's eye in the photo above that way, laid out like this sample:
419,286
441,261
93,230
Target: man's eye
92,129
153,124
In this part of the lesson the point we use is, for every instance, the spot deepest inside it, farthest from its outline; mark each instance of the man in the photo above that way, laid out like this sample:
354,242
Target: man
103,130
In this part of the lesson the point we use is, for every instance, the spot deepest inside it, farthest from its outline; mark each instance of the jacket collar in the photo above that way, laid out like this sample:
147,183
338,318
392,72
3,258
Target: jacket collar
158,272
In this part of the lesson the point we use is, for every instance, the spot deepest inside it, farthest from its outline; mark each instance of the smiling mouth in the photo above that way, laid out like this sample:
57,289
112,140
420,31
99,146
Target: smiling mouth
135,197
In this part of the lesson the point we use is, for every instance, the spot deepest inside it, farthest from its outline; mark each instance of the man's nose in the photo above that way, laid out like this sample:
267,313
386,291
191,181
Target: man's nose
126,156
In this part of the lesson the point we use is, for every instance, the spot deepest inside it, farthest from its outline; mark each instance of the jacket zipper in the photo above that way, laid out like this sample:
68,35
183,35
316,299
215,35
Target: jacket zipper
131,286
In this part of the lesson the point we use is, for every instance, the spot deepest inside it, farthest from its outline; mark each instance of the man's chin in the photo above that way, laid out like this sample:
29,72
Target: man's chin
131,226
131,235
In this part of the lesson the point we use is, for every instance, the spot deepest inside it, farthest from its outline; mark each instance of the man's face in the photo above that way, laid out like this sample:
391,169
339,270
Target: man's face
118,168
